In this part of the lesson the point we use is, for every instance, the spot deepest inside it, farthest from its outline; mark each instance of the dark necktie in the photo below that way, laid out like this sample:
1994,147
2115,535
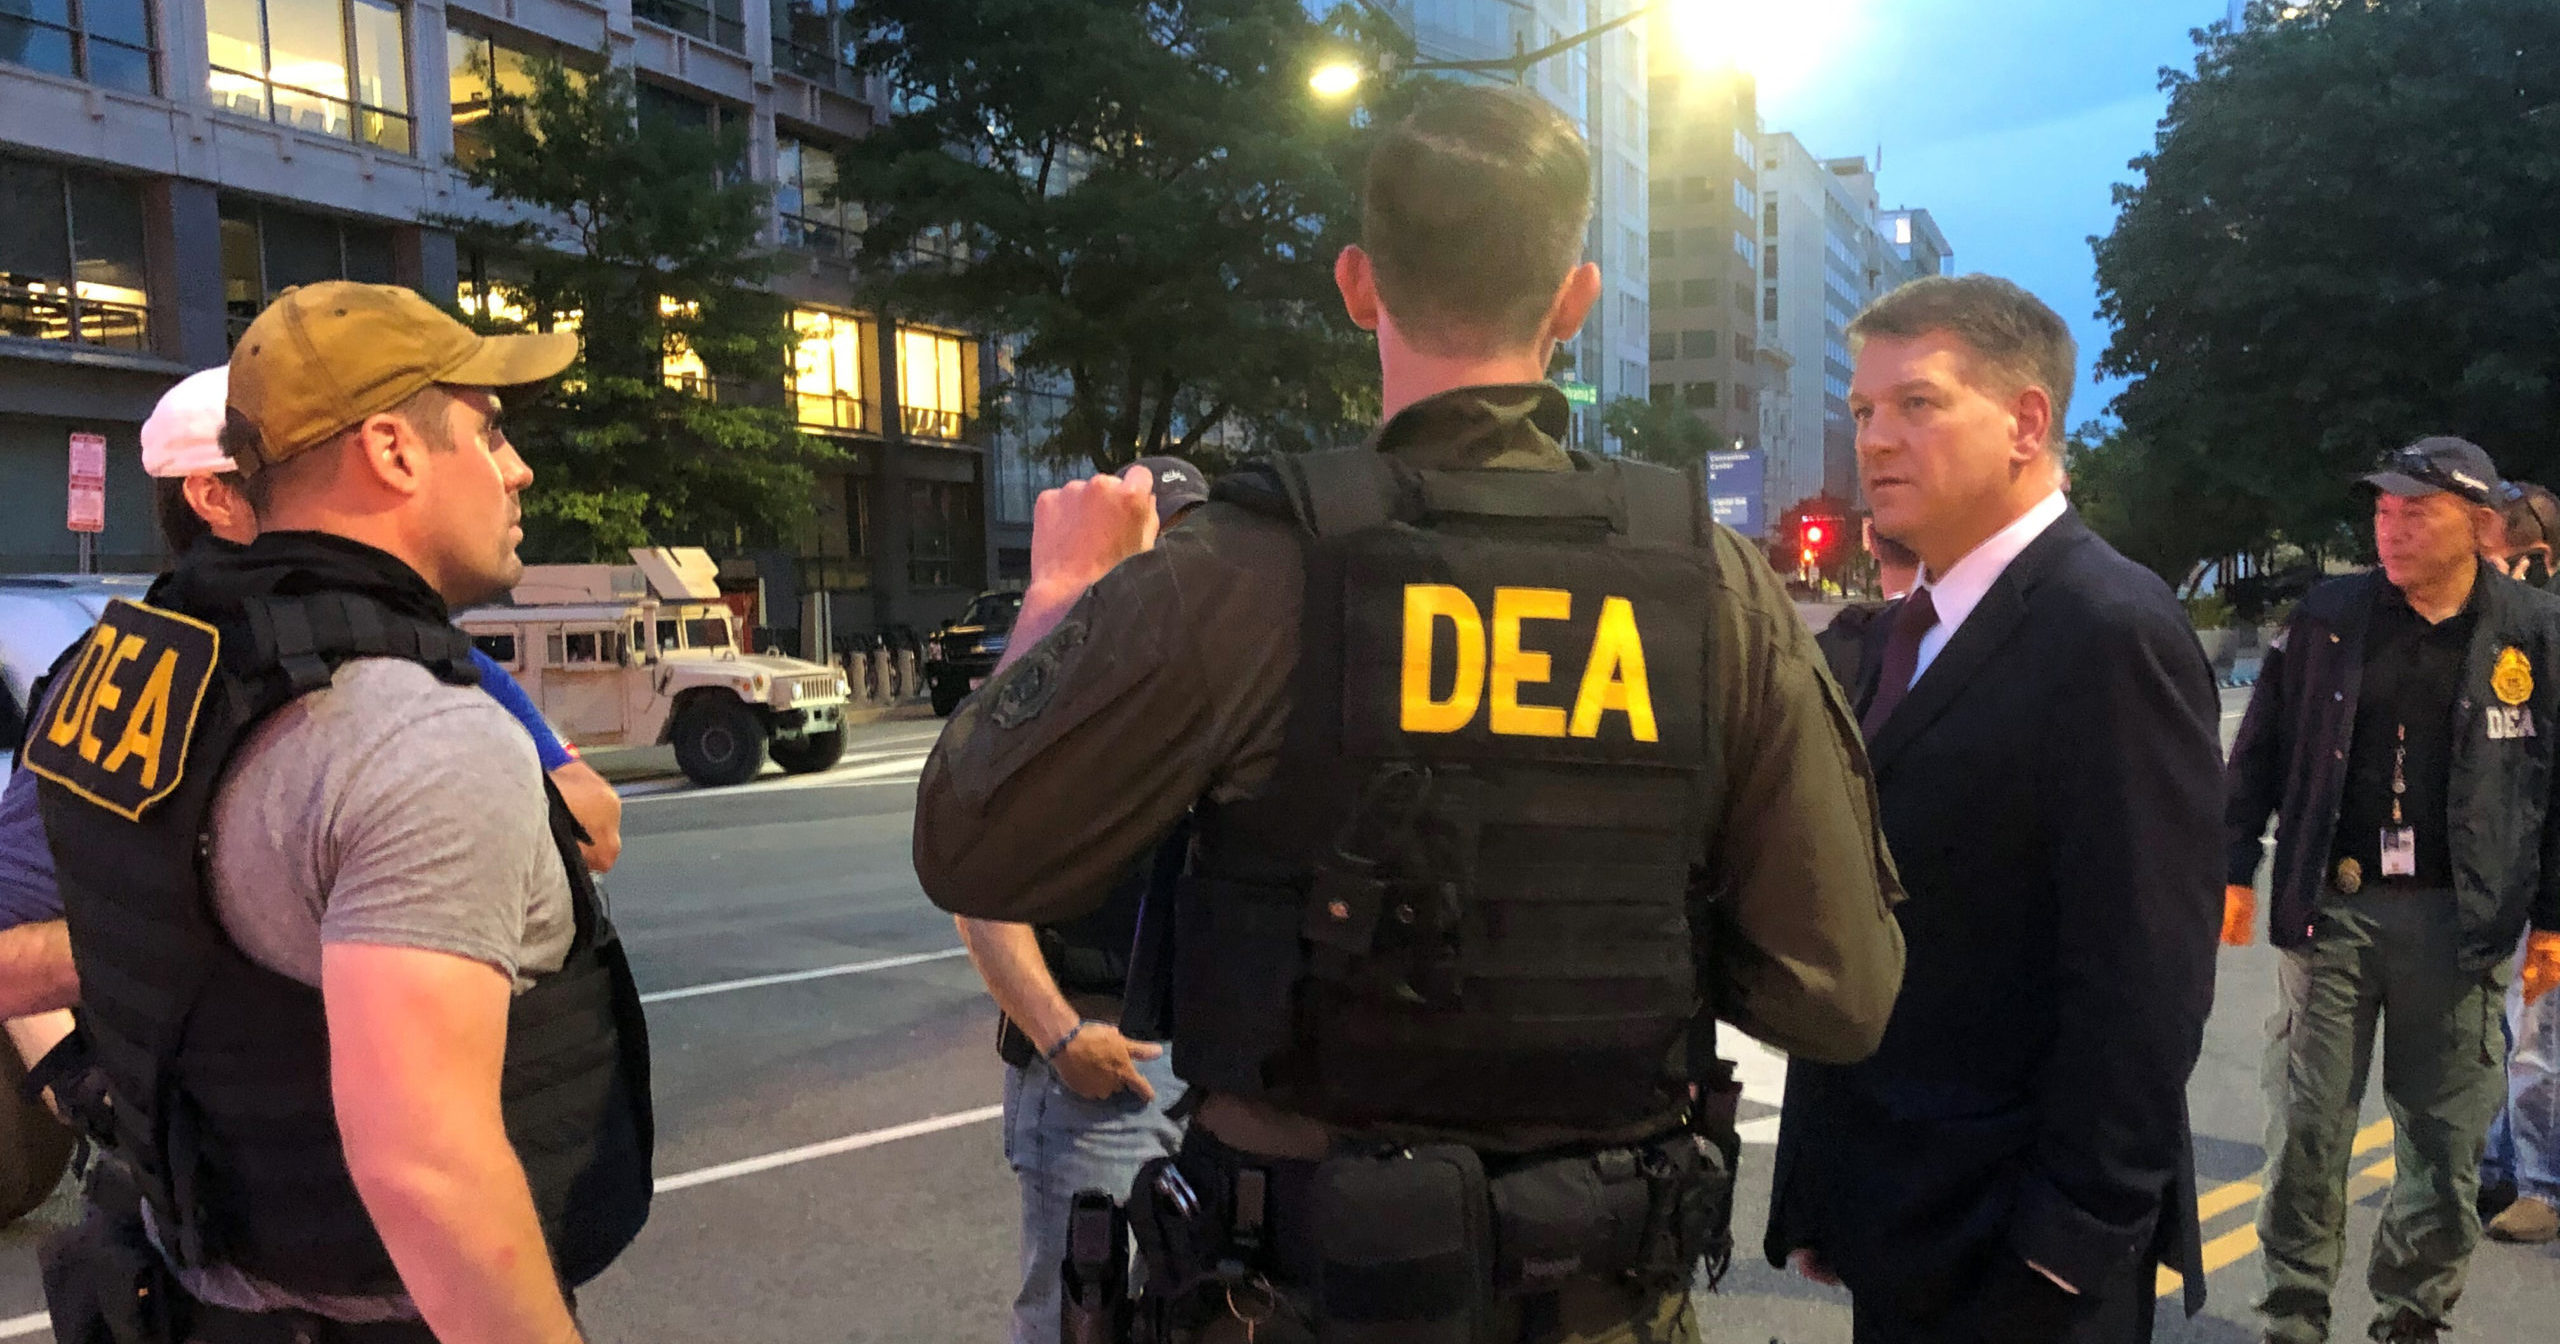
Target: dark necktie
1917,616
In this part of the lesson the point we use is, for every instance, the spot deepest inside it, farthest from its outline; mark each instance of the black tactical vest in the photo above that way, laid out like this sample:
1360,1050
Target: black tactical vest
1464,899
219,1068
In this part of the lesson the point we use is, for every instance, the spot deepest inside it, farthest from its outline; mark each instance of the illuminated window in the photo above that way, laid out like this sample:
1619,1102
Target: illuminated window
937,375
337,67
683,369
804,196
827,370
71,257
474,65
268,249
105,42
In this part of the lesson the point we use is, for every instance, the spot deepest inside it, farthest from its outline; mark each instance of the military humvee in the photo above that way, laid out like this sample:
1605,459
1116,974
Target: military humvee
647,654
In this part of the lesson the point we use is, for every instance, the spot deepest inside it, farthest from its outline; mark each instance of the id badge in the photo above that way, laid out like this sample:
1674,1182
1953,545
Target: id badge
2399,851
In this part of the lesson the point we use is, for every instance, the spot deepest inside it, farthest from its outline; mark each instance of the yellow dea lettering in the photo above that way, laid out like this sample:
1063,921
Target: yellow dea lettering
1613,678
115,730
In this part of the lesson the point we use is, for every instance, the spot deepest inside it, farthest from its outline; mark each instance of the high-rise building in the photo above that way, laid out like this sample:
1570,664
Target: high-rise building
1600,84
1913,238
1705,247
168,166
1823,257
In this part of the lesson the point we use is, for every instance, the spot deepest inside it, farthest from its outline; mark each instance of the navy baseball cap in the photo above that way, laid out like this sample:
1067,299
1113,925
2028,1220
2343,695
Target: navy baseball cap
1179,485
2440,465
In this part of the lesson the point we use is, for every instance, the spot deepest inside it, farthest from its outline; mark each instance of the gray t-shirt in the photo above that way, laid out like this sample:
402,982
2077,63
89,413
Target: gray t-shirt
393,809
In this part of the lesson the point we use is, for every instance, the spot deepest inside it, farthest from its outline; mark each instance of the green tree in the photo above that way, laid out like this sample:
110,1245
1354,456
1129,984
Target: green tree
1658,431
643,234
2342,242
1144,192
2159,514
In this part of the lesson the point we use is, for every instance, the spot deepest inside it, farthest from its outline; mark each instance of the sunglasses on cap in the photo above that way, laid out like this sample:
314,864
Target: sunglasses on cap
2419,465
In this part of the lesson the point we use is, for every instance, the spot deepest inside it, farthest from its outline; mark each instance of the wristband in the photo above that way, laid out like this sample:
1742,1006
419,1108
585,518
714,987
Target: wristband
1051,1054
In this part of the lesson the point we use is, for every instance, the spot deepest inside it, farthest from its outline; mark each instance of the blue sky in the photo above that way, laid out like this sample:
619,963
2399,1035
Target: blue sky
2010,120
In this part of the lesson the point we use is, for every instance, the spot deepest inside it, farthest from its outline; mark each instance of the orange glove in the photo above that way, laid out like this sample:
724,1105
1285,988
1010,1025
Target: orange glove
2541,963
2239,915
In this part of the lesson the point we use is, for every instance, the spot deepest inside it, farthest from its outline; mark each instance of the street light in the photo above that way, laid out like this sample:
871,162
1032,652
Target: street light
1334,79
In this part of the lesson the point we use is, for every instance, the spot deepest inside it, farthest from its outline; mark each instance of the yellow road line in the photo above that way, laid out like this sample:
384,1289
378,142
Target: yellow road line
2237,1244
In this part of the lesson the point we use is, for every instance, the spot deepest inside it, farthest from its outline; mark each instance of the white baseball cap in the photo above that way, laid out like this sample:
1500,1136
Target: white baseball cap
183,436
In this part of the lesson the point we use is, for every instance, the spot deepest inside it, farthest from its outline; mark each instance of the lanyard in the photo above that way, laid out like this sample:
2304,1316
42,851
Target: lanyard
2399,771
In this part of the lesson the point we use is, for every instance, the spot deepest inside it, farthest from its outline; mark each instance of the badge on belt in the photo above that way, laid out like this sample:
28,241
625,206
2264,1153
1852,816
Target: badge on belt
2349,877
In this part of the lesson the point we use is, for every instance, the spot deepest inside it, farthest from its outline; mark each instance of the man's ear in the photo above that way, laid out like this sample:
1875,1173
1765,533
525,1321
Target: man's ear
1573,301
2031,412
1357,278
392,453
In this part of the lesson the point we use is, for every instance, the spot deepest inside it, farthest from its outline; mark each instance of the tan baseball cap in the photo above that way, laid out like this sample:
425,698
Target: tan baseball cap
323,357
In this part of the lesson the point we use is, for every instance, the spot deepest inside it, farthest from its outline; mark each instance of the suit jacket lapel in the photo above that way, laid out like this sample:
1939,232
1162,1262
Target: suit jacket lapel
1983,632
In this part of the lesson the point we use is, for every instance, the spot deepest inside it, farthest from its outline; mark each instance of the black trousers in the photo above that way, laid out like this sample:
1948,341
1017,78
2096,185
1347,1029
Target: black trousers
2120,1311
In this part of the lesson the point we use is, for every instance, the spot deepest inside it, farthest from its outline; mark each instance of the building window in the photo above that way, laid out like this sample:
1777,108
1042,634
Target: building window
827,370
1698,242
1661,244
1769,261
1666,294
1742,297
1748,250
1769,305
807,40
1744,348
942,535
666,106
1697,345
1699,396
336,67
804,196
937,375
1742,197
106,42
1660,394
719,22
1769,220
1666,345
1697,293
71,257
476,68
1742,146
267,249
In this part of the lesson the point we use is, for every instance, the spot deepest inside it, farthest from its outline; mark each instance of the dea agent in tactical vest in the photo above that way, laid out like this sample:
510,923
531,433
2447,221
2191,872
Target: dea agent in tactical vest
1512,774
317,956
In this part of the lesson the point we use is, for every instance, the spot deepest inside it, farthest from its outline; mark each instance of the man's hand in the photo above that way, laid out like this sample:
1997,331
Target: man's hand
1081,529
1100,1063
2239,915
2541,963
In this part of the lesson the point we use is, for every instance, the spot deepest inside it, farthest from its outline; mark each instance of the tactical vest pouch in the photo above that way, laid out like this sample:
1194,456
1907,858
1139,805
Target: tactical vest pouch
104,1283
1406,1241
1644,1216
1236,955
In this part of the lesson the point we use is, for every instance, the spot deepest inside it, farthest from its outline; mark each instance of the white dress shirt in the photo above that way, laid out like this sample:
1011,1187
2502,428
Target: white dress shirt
1968,581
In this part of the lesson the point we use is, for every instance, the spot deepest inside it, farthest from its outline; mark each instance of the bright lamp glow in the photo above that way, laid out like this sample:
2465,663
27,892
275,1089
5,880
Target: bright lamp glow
1335,79
1779,44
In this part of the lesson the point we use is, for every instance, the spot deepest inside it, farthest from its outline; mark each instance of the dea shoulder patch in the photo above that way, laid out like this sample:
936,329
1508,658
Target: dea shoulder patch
116,727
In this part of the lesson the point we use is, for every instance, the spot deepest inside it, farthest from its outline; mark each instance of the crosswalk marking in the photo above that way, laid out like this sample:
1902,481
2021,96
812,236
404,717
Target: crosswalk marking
2241,1242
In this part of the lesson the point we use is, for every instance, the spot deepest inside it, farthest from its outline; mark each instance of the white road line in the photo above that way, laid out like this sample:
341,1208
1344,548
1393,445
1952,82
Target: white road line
795,977
37,1320
812,1152
905,771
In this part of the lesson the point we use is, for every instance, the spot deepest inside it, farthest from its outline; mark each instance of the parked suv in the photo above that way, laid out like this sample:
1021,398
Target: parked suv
647,655
964,652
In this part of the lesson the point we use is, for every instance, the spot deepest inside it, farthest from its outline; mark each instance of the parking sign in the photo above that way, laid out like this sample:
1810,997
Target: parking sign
88,483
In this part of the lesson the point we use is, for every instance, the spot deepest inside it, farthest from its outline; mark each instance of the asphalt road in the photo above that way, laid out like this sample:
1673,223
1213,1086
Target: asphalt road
830,1164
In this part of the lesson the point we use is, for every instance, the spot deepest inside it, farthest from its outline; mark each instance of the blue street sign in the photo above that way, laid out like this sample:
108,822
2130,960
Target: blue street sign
1736,483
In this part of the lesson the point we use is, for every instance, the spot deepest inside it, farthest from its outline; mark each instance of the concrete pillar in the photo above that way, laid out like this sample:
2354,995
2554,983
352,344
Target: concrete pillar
185,271
427,261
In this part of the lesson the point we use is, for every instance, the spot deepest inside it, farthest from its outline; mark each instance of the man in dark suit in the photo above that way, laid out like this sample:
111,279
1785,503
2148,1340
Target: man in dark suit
2014,1160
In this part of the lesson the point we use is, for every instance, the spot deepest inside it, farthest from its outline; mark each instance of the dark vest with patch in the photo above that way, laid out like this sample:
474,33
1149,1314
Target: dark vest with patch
218,1067
1464,900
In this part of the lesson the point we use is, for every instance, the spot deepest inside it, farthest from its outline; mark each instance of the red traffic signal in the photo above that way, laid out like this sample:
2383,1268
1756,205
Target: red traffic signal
1813,534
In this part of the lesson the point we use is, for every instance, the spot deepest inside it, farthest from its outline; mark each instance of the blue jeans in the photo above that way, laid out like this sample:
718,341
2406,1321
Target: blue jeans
2524,1144
1060,1143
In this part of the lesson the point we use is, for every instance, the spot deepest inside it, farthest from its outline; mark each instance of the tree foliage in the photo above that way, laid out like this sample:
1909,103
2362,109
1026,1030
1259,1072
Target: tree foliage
1144,192
1659,431
644,234
2341,243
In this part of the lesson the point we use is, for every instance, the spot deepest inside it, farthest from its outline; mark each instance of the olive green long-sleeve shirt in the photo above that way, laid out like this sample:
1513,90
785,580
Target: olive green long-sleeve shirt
1170,682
